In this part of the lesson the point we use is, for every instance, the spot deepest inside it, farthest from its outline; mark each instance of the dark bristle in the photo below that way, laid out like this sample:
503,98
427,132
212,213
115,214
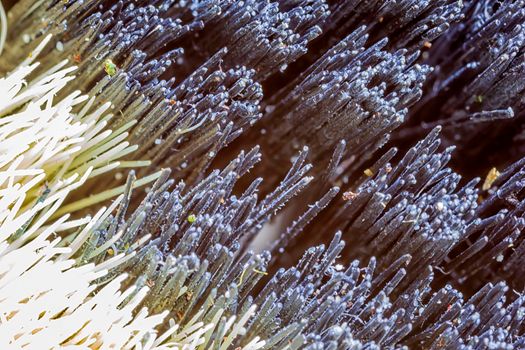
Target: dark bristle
476,87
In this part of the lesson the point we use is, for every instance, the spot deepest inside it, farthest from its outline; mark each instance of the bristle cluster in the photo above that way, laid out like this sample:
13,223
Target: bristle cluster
493,247
359,93
414,207
477,86
264,35
415,24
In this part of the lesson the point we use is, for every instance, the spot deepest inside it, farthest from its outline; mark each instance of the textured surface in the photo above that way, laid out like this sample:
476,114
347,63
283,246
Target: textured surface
384,138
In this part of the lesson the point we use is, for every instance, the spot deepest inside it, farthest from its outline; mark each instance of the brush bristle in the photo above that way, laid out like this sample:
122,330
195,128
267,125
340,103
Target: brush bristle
344,174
